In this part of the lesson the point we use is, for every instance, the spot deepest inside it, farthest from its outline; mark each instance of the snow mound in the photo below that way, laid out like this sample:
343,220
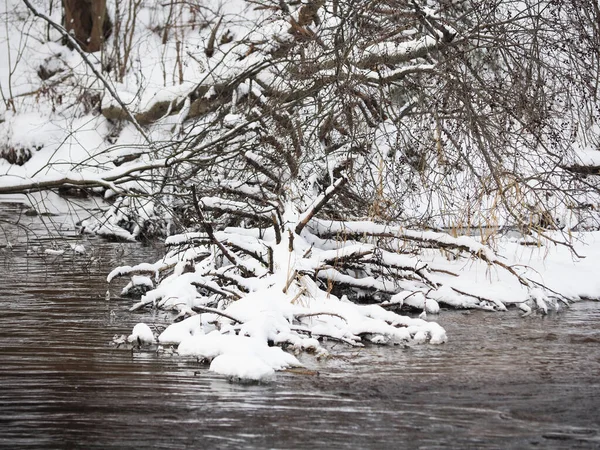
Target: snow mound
237,356
179,331
244,367
142,333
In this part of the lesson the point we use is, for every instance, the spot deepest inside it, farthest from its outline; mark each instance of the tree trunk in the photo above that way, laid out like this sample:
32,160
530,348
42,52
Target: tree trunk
88,22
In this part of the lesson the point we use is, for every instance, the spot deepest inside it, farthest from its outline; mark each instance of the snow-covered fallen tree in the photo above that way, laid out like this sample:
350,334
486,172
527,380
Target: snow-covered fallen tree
238,290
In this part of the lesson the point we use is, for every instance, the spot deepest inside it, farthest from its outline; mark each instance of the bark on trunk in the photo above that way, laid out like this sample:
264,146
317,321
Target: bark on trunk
88,22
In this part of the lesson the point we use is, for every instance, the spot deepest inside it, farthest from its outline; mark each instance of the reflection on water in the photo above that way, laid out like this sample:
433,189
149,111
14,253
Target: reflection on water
500,381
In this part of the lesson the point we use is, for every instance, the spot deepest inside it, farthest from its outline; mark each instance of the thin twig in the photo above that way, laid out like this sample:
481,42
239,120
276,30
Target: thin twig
311,314
325,335
216,311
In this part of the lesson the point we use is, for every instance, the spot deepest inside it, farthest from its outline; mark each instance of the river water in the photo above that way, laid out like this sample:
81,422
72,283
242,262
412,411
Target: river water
501,381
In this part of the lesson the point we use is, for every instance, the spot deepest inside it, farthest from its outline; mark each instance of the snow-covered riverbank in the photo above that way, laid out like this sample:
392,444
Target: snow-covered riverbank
238,331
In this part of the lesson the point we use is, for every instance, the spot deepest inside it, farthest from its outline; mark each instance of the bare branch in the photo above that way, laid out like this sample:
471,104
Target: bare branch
319,203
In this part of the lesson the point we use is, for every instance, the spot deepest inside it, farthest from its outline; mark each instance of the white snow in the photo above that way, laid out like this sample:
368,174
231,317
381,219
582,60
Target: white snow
53,252
137,280
78,248
237,356
178,332
245,367
142,332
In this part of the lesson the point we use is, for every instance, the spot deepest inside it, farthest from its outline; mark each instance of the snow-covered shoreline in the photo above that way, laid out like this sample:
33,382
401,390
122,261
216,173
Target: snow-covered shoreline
300,317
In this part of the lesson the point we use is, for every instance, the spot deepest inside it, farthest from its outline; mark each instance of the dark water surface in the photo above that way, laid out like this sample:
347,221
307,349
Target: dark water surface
500,382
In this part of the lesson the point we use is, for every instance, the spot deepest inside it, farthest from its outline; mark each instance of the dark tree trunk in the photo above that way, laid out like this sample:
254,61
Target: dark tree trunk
88,22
